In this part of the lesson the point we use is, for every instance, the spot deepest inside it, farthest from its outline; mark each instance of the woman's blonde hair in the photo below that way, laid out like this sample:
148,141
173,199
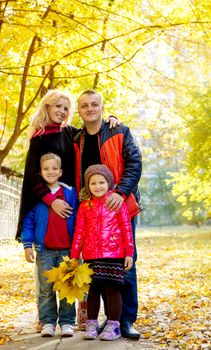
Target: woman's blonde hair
40,118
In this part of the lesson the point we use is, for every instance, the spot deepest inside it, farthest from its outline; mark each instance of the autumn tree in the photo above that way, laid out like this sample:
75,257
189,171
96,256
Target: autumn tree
84,44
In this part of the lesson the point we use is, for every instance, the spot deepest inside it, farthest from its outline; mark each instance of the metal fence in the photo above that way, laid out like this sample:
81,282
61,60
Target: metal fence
10,190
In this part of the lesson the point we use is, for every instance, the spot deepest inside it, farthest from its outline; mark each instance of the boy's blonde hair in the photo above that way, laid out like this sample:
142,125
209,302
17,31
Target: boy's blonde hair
50,155
40,118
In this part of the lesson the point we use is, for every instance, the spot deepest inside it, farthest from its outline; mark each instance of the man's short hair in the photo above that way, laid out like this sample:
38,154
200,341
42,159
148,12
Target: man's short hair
91,92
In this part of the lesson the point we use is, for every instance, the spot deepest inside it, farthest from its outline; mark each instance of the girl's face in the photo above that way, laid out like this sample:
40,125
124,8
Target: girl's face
98,185
58,111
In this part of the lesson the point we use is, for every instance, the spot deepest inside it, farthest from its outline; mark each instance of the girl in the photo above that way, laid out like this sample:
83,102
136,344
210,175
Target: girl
105,239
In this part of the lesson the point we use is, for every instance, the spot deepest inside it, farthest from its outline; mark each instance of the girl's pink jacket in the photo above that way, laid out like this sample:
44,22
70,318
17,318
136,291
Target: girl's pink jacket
102,233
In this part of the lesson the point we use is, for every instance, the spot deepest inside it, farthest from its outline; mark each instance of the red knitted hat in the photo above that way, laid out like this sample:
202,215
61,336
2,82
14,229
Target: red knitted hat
101,169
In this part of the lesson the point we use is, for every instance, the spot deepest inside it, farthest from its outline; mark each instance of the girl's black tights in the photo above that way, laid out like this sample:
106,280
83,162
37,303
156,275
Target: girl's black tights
113,298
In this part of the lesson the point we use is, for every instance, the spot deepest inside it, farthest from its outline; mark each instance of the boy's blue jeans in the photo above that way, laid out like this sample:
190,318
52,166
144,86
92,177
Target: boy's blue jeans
129,292
49,311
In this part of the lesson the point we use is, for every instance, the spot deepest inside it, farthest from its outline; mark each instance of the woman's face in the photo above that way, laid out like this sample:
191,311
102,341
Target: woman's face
58,111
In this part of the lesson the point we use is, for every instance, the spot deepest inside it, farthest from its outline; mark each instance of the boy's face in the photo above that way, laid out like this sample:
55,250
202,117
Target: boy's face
98,185
51,171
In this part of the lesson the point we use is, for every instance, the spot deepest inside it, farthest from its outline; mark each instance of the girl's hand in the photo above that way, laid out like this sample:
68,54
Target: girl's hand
61,208
113,121
77,261
29,255
128,263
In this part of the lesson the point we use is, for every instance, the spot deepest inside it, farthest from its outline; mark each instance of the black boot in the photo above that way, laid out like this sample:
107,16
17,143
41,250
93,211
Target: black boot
128,331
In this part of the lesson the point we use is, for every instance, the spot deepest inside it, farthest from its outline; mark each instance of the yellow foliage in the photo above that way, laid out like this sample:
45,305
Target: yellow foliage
174,287
70,279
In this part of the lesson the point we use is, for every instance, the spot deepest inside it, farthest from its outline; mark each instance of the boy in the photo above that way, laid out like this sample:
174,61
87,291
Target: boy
52,238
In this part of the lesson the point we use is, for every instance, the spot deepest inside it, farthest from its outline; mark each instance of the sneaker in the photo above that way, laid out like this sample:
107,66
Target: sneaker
48,330
111,331
91,329
102,326
67,330
82,315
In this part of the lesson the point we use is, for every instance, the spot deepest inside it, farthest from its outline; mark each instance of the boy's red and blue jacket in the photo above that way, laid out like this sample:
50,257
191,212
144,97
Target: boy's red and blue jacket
35,221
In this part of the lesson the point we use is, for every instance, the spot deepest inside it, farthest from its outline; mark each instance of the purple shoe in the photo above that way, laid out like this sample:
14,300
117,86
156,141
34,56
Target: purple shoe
91,329
111,331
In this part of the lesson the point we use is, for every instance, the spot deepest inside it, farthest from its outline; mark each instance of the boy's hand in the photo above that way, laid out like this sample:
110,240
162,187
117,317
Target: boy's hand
128,263
61,208
29,255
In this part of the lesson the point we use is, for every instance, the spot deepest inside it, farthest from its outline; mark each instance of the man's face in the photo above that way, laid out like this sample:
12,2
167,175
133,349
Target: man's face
90,108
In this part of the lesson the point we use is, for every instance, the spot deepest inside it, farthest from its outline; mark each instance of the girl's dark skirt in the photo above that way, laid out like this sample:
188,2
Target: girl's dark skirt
107,271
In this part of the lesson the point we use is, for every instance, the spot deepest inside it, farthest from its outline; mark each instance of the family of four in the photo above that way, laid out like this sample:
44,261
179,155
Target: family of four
101,165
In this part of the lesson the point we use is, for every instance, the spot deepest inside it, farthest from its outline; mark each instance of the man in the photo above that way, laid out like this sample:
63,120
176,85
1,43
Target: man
116,148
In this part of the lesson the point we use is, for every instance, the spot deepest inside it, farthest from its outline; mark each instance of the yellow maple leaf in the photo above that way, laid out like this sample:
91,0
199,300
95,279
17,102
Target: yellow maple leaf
83,275
64,291
70,279
172,335
52,274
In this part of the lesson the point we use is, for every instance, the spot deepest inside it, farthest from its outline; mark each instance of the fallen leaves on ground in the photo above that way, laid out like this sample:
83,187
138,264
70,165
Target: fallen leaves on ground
174,282
17,294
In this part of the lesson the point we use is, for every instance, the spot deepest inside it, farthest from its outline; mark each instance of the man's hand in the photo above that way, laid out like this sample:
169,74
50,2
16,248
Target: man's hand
128,263
114,201
29,255
113,121
61,208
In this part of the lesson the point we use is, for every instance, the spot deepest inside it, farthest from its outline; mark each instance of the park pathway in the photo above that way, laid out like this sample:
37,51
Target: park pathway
27,339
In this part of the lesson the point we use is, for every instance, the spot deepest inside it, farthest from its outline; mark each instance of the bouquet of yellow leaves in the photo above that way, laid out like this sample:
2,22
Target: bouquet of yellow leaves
70,279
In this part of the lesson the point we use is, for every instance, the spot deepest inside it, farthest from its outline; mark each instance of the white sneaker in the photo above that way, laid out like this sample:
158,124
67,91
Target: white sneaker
48,330
67,330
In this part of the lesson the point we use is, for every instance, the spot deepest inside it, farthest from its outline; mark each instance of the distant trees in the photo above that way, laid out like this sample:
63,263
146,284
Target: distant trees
192,184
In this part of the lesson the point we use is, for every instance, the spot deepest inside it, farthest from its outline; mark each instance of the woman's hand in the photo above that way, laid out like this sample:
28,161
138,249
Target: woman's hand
113,121
61,208
128,263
